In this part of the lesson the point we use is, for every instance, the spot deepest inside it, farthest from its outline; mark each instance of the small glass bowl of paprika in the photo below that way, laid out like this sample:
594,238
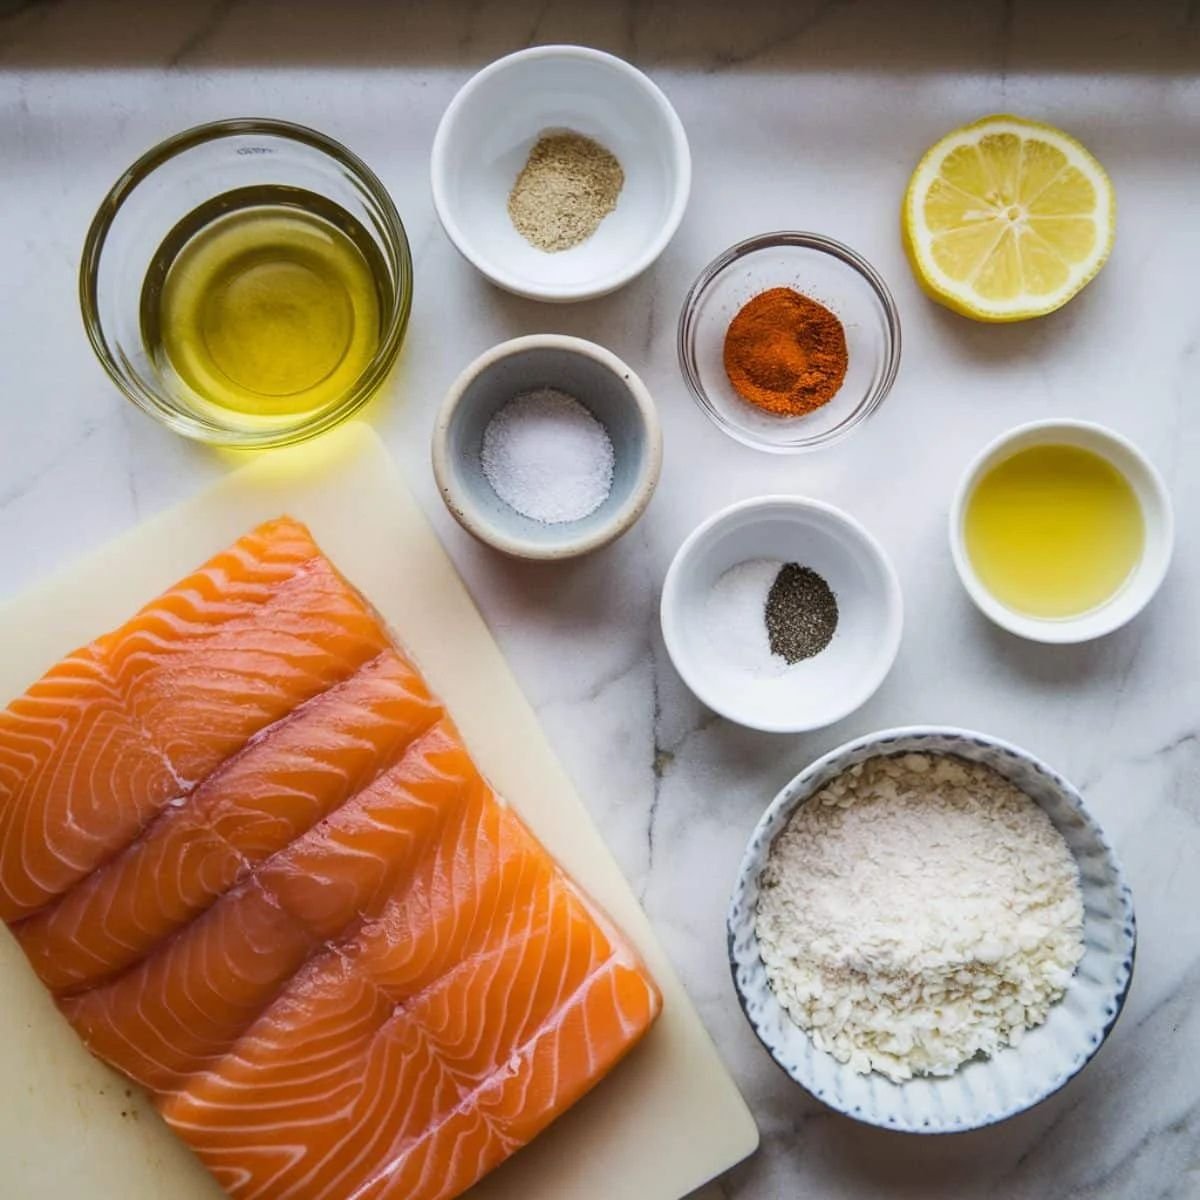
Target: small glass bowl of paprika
788,341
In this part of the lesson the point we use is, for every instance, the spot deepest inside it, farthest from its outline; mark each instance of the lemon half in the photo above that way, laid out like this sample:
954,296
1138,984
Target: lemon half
1007,218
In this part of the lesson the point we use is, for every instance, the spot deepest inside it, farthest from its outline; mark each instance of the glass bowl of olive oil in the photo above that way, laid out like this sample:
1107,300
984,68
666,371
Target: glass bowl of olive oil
247,282
1061,531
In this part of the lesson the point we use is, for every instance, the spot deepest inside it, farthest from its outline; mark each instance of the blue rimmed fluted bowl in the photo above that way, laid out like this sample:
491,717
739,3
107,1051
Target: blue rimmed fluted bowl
983,1090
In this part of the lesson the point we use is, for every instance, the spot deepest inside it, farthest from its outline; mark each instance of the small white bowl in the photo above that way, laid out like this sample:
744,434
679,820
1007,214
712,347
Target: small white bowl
604,385
1146,577
485,137
981,1091
816,691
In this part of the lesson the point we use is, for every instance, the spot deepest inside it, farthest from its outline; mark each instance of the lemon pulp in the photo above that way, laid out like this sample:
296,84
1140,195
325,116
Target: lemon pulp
1053,531
266,309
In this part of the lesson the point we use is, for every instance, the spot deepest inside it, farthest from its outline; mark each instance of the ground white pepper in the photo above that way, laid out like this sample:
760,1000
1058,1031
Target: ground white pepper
569,184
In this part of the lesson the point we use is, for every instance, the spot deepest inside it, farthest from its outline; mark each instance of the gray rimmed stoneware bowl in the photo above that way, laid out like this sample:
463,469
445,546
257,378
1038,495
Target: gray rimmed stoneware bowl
604,385
982,1091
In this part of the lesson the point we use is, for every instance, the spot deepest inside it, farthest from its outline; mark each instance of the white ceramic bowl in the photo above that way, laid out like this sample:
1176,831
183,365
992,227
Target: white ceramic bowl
1151,492
982,1091
600,381
486,135
818,690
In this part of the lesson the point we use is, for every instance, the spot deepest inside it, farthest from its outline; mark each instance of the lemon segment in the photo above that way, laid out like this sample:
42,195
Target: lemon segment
1007,219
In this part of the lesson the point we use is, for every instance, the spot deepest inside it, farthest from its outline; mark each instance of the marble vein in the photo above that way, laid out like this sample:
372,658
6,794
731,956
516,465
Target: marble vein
199,38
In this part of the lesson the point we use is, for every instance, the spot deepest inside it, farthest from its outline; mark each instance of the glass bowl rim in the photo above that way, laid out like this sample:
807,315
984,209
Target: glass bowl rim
874,397
396,247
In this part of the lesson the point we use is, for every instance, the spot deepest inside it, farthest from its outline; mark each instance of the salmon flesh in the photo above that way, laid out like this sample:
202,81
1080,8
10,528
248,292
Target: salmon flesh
245,848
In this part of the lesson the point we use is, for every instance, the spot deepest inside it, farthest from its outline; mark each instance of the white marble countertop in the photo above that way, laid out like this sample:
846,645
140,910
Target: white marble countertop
800,115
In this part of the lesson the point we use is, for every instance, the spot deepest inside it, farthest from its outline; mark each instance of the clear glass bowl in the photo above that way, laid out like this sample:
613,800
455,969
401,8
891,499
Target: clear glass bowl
174,179
824,270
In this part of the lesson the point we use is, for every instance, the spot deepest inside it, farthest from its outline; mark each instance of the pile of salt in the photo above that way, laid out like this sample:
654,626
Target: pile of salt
734,617
547,457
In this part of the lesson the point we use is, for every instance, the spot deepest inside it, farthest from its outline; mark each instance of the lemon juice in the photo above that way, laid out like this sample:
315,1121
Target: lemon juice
1053,531
264,302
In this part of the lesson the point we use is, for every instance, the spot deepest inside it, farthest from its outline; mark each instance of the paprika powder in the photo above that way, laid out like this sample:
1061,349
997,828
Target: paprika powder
785,353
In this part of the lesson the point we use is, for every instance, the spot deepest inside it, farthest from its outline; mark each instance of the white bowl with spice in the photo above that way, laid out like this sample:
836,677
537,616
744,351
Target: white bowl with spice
1061,531
547,447
788,341
560,172
930,899
782,613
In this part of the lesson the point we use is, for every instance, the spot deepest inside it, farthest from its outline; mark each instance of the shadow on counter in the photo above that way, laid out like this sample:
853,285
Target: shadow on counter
814,35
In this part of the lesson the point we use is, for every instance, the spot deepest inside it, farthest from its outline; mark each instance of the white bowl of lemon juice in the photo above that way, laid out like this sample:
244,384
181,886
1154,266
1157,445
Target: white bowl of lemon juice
1061,531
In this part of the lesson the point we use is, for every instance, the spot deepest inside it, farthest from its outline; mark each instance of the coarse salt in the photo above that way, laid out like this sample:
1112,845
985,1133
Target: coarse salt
547,457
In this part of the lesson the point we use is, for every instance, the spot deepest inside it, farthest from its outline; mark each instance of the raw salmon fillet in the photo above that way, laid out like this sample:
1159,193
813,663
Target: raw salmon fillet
247,851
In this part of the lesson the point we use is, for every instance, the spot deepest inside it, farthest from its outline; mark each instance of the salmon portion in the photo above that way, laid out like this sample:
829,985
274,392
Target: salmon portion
78,779
136,720
246,849
358,1054
346,870
257,803
458,1073
181,1009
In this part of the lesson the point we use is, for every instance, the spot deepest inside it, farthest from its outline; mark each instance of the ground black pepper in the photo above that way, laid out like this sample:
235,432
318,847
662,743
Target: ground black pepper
801,613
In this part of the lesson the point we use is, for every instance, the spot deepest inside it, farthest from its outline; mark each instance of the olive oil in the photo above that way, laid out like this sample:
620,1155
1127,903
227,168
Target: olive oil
265,302
1053,531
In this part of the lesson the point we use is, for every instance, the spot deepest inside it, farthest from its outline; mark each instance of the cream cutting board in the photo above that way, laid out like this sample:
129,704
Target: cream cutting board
666,1121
